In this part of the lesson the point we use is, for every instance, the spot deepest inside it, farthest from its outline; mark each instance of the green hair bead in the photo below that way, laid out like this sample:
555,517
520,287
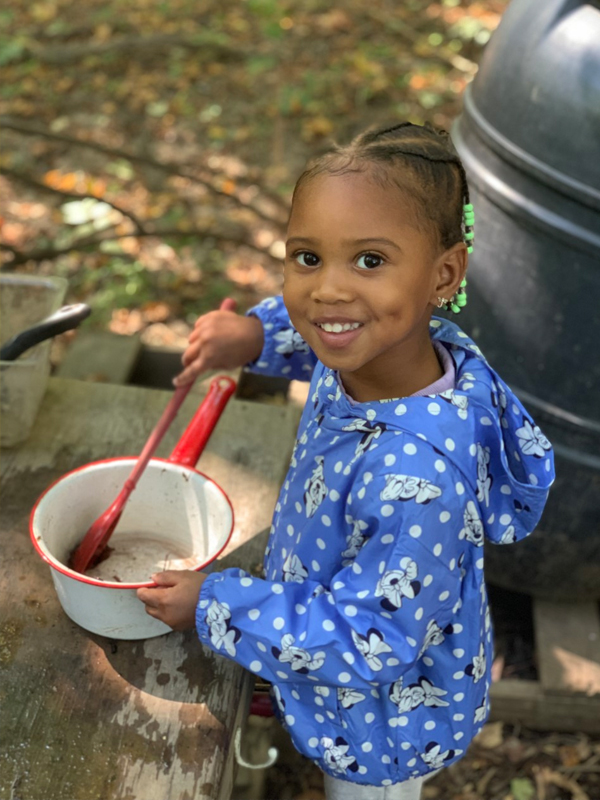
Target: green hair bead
454,308
468,224
461,300
463,283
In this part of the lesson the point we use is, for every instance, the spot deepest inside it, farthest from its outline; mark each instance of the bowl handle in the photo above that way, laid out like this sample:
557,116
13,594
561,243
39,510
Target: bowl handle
189,448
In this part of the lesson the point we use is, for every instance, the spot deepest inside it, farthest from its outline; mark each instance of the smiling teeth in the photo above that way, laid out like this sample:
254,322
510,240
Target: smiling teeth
337,327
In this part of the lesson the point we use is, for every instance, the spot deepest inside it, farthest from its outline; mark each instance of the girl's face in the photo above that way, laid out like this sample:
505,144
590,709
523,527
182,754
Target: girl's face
360,283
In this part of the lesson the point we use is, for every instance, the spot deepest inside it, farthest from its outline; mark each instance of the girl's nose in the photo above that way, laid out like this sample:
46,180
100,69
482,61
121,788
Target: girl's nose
332,284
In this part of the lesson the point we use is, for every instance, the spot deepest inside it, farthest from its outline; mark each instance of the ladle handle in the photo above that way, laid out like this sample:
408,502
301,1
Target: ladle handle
189,448
65,319
164,422
155,438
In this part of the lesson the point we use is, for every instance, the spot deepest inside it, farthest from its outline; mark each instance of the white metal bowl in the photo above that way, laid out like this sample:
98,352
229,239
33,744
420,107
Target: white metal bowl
184,514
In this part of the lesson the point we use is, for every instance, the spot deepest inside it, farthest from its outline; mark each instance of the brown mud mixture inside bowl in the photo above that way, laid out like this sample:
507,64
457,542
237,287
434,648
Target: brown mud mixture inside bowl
133,557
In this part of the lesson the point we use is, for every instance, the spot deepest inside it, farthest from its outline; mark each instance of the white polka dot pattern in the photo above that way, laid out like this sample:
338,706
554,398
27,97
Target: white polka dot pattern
374,564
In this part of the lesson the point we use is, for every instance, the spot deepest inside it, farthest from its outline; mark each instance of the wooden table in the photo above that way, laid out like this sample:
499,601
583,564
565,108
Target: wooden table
88,717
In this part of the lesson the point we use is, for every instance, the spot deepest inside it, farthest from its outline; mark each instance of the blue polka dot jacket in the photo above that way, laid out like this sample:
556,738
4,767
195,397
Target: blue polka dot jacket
372,621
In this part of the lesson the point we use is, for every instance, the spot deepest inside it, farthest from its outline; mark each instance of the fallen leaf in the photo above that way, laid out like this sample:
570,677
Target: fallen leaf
55,179
102,32
43,12
96,186
317,127
155,311
334,21
522,788
569,755
418,82
228,186
490,735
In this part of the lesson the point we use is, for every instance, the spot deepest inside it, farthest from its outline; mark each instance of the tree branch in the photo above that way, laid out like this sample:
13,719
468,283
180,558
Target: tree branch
49,253
134,46
10,173
170,169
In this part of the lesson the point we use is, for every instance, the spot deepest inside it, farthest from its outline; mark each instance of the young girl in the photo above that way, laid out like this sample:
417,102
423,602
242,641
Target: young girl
372,620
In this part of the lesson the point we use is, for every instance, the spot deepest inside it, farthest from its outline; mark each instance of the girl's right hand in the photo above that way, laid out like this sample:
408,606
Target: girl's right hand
220,340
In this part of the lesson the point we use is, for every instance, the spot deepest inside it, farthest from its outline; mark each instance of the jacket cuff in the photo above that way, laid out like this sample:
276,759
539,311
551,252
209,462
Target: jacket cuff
204,601
272,315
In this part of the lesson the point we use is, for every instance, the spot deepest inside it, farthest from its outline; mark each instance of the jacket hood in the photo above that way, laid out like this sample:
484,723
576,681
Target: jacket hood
480,425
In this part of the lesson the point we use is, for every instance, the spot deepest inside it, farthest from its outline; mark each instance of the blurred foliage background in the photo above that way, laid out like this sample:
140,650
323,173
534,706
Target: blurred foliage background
150,147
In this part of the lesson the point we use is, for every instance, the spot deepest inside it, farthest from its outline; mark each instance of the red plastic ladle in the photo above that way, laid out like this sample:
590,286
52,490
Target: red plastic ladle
93,544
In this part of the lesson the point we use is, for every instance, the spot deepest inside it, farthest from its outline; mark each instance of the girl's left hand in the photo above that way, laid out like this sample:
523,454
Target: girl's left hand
174,599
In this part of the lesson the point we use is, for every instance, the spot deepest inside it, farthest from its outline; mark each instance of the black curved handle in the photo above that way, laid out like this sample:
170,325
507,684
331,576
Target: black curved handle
65,319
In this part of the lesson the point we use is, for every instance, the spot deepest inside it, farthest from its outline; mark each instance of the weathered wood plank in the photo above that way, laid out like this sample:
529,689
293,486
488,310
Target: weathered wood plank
526,702
568,646
100,356
85,717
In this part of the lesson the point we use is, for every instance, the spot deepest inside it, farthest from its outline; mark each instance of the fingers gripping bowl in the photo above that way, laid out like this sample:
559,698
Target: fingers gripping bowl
186,520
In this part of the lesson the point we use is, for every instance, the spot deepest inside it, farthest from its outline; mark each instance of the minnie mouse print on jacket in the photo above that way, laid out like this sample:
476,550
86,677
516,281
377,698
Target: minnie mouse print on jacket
372,619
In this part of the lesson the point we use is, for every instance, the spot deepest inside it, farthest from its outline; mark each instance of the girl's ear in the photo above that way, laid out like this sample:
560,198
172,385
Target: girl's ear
450,269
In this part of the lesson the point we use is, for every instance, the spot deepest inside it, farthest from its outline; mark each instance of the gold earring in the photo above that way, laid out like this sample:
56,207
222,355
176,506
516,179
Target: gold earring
441,302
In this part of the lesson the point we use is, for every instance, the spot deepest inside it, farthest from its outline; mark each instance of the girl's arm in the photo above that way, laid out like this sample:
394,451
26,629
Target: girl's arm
370,625
264,340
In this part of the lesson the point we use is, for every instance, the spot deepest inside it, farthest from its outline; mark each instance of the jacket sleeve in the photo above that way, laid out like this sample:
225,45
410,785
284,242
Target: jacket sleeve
374,620
285,354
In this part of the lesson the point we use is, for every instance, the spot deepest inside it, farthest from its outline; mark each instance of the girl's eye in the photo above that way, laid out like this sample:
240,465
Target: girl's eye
369,261
307,259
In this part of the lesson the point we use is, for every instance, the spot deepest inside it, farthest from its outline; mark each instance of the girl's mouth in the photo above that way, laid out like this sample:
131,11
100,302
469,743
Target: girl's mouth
338,334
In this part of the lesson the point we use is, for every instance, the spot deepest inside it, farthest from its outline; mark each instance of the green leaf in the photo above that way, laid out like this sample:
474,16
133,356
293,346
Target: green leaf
264,8
430,99
11,50
210,112
522,789
157,108
120,169
258,64
57,28
273,30
208,37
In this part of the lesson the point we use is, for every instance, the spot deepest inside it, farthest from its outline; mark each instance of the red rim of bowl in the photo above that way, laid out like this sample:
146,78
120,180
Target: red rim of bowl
55,564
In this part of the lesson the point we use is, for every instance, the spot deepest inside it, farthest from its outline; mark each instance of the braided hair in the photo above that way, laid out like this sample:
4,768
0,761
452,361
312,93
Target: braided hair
419,160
